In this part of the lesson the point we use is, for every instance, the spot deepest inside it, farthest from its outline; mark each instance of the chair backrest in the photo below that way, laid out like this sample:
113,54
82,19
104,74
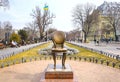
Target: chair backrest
58,39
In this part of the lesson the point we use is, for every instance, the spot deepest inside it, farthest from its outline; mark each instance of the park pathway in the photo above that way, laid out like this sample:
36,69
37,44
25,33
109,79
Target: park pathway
83,72
7,52
110,49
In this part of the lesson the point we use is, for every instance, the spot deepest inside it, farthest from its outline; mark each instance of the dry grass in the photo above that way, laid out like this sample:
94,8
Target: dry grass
82,53
29,53
87,53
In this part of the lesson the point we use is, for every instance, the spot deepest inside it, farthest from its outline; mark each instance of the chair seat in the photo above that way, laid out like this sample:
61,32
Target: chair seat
59,49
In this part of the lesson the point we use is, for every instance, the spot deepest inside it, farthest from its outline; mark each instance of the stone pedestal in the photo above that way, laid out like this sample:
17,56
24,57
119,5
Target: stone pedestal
58,73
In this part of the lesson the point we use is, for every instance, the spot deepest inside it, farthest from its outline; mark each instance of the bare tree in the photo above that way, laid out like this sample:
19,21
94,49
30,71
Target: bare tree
83,17
73,35
107,28
51,30
91,24
113,13
1,31
32,28
7,25
43,20
29,32
49,33
4,3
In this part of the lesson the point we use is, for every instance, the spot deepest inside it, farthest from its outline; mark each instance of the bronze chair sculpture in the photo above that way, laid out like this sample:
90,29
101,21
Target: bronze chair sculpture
58,39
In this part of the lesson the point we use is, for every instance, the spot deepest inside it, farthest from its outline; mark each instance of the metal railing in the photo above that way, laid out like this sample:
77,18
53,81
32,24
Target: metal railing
76,58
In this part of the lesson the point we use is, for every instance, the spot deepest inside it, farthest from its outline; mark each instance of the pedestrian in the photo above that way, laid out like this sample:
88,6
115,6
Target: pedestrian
106,41
95,41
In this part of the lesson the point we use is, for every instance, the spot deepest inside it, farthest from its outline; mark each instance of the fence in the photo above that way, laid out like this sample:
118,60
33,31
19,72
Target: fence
38,58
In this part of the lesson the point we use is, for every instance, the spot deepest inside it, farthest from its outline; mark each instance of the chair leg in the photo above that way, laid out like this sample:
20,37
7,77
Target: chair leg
54,59
63,60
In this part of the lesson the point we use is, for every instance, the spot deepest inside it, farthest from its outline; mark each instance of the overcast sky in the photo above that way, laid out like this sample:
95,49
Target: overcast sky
19,12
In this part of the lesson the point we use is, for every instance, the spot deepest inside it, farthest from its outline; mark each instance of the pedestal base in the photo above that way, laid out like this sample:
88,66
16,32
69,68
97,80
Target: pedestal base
58,73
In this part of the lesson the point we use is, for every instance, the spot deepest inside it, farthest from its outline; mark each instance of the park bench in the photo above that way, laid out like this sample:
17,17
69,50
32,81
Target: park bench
2,46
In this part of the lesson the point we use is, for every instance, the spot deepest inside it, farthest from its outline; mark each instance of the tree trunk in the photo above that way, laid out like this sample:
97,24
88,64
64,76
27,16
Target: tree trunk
116,37
115,34
85,38
41,36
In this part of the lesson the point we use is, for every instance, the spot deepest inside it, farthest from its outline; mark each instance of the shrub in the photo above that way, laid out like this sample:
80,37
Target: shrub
15,37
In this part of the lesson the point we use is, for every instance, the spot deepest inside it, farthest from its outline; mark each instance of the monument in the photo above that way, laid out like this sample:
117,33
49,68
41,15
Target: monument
58,39
58,71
